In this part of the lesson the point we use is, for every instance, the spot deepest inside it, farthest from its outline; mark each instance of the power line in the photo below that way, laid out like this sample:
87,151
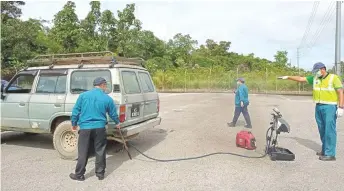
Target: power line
328,17
310,22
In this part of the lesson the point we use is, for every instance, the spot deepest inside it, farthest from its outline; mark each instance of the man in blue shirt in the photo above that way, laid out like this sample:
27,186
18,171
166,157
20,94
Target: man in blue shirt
89,113
241,103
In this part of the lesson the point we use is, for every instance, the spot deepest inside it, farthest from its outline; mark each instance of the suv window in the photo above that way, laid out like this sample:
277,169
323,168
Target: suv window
130,82
146,81
21,84
51,84
82,81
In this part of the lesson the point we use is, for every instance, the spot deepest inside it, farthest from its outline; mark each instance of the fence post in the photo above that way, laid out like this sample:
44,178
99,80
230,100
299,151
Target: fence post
185,81
266,80
209,81
276,83
229,80
190,82
163,81
237,77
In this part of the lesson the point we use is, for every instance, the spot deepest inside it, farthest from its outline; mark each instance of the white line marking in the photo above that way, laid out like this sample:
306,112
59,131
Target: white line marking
188,105
283,97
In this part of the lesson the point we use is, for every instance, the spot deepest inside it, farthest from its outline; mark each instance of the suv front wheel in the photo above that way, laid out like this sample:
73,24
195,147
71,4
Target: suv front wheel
66,141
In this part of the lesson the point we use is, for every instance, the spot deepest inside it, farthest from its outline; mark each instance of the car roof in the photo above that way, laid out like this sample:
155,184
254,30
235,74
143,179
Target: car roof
93,66
86,60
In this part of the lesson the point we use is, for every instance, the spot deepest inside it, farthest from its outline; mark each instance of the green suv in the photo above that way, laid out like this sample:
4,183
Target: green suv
45,94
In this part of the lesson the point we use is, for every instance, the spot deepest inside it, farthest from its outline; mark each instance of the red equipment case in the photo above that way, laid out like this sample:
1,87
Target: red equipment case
246,139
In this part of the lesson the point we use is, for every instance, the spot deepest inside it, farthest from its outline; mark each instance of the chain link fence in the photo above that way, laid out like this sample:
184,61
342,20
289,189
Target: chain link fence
216,80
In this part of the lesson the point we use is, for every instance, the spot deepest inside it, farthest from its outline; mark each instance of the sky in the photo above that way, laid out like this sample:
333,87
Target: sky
259,27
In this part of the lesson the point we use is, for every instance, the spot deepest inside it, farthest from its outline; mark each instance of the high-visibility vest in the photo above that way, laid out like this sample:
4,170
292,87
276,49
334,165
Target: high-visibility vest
323,90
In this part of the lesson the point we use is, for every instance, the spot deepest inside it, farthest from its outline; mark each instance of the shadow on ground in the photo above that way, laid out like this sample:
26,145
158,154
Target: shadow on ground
118,155
43,141
307,143
239,123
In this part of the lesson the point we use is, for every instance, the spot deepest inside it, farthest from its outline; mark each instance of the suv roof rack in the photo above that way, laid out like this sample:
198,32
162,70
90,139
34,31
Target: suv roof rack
104,57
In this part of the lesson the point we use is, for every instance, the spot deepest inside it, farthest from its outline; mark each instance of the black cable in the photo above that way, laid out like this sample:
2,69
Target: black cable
327,18
310,22
210,154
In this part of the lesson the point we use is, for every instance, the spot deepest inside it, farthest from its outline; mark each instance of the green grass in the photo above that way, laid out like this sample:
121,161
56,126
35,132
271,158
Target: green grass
217,79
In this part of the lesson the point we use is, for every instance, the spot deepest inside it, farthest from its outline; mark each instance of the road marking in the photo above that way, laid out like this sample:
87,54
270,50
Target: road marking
283,97
179,109
167,95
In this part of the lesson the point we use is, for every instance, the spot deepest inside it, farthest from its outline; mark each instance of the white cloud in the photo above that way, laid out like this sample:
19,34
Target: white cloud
259,27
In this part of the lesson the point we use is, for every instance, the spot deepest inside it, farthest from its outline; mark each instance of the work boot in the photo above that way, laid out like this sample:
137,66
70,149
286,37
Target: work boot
320,153
75,177
327,158
100,176
231,124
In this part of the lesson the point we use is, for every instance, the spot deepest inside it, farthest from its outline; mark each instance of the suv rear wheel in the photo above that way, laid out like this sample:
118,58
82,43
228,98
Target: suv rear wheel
66,141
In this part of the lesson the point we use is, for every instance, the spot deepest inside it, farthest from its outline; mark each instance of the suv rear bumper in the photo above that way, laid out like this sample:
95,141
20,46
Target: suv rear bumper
137,128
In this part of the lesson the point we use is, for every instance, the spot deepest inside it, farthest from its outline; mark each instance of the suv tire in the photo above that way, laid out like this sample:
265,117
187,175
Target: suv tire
66,141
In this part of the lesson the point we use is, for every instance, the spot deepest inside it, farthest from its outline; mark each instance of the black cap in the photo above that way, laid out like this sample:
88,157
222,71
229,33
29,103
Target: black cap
98,81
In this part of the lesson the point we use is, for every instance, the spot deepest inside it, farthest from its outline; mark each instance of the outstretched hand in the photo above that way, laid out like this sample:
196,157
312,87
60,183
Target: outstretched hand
283,77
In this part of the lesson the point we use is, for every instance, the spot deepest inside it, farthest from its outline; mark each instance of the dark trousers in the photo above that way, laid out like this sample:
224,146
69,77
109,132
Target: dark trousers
99,138
244,111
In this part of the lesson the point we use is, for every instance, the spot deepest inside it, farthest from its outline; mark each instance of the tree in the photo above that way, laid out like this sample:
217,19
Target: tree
180,48
66,29
10,10
127,28
123,35
90,38
281,58
108,30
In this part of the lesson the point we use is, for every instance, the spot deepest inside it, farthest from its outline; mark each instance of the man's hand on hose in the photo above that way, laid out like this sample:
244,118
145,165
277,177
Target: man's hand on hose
339,112
118,126
74,128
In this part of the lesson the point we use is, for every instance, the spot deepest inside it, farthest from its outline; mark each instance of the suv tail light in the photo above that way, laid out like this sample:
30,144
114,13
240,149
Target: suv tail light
158,105
122,110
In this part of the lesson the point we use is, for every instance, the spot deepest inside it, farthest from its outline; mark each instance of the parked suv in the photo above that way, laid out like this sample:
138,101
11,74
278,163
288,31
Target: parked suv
46,93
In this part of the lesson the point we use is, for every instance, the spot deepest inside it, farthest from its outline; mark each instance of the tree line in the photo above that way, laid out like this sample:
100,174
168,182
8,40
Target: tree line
122,34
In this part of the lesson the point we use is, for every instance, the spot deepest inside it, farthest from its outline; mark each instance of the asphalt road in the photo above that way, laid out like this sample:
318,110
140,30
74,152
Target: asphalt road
192,125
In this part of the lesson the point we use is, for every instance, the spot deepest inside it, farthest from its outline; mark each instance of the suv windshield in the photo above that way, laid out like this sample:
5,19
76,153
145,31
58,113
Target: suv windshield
82,81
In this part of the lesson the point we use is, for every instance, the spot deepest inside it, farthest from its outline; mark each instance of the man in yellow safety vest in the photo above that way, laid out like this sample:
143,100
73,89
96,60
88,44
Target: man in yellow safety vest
329,99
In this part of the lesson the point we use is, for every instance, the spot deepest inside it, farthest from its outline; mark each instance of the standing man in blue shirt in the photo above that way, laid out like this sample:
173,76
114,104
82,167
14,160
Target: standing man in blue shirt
89,113
241,103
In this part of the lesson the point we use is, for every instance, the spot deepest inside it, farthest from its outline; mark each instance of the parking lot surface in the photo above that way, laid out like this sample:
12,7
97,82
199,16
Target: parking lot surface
192,125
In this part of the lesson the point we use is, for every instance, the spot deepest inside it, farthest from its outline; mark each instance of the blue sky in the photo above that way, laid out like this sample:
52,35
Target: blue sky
259,27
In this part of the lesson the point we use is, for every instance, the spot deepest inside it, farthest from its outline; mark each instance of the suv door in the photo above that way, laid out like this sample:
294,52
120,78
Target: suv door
132,96
15,103
150,96
48,99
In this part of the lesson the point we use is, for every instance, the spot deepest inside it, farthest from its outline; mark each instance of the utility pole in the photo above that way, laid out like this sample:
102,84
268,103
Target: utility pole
338,31
298,64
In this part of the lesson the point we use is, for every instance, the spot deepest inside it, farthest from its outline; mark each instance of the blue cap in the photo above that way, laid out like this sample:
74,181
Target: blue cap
241,79
318,66
98,81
